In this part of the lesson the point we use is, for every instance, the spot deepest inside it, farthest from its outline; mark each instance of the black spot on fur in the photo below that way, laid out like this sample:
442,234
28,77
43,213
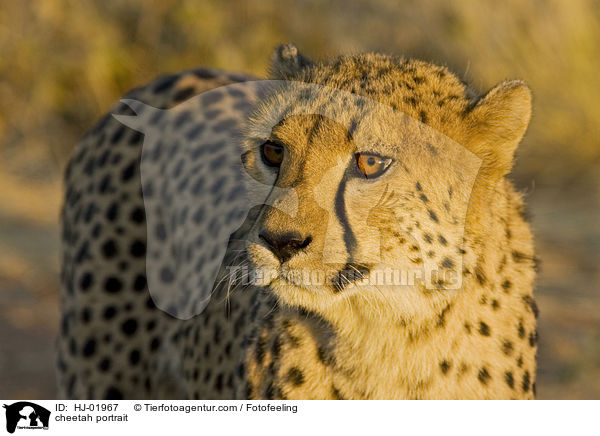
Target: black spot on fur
112,212
295,376
184,94
519,257
89,348
259,350
129,327
411,101
204,73
109,249
166,275
129,171
325,356
73,347
109,312
480,275
447,263
249,393
164,83
104,365
270,391
336,393
531,304
139,283
116,137
484,329
138,249
276,347
86,281
483,376
433,216
211,97
182,118
113,393
507,347
526,381
138,215
444,366
113,285
195,132
86,315
533,338
134,357
217,333
431,148
82,253
135,138
441,319
509,379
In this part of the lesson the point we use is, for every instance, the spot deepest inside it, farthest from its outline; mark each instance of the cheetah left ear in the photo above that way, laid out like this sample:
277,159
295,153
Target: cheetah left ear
498,122
287,62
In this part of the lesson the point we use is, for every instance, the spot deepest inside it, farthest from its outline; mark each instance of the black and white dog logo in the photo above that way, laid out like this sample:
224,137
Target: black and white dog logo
26,415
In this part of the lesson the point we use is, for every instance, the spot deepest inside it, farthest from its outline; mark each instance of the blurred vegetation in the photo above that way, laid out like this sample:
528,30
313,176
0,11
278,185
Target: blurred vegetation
64,62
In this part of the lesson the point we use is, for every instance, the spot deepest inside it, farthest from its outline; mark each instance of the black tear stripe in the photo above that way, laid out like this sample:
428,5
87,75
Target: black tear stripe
345,276
342,215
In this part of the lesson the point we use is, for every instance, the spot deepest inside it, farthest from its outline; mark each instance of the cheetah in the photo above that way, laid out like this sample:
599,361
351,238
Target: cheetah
390,162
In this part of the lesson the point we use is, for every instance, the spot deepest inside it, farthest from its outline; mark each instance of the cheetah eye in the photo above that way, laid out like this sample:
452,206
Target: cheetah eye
372,165
271,153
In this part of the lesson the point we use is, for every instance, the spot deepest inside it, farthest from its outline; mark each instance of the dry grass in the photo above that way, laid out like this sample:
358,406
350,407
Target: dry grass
64,62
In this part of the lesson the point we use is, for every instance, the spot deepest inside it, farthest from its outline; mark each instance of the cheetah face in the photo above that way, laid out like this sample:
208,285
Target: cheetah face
351,208
371,170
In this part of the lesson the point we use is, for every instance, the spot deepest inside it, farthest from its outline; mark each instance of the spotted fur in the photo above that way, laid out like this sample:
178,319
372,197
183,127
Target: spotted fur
280,341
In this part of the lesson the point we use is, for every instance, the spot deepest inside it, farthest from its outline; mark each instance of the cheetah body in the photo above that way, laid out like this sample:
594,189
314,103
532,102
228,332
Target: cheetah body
278,340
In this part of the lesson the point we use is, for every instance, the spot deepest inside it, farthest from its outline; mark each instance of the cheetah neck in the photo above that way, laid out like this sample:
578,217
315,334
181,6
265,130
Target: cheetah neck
474,344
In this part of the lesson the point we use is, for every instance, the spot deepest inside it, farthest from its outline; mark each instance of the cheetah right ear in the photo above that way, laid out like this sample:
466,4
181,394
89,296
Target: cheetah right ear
287,62
498,122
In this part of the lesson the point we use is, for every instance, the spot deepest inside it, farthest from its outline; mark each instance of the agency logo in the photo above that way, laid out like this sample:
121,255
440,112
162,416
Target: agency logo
27,416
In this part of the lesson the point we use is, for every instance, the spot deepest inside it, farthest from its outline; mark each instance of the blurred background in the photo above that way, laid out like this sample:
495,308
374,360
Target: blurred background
64,62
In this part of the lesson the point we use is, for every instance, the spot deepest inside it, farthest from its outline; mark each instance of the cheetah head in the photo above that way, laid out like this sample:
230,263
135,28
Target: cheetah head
388,163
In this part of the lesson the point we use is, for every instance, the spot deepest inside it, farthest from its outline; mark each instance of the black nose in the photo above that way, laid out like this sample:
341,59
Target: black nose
285,245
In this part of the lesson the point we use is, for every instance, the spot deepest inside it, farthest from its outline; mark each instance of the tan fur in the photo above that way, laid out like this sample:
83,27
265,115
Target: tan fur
398,342
443,206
